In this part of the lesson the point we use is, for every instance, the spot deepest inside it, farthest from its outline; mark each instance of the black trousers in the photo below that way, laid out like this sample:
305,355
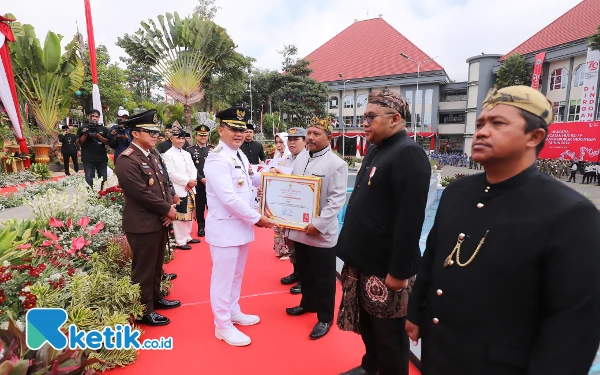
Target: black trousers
66,158
200,207
316,266
386,343
146,268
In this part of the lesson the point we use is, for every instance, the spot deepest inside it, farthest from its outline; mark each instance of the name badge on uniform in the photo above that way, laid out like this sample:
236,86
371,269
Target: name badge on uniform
372,174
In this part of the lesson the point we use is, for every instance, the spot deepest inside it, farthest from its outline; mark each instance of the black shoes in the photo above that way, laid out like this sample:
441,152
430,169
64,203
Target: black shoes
184,247
154,319
169,276
165,304
358,371
296,311
296,289
290,279
320,330
193,241
201,233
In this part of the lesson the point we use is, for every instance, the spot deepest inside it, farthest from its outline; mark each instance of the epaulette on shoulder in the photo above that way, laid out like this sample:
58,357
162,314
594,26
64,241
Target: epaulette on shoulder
217,149
127,152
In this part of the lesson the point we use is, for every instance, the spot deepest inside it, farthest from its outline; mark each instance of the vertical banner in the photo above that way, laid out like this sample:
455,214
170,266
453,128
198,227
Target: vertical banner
537,70
589,101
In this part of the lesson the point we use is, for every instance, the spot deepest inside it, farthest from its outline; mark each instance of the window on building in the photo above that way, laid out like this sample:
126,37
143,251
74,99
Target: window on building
558,79
578,75
409,97
361,101
333,102
574,109
452,118
419,97
348,120
428,96
559,111
348,101
457,96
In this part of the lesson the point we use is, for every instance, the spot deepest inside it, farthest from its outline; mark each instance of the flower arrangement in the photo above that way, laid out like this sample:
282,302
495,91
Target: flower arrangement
69,241
112,195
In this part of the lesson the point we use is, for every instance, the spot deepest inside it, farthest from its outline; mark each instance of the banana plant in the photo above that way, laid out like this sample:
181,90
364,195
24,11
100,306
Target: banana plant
46,79
183,52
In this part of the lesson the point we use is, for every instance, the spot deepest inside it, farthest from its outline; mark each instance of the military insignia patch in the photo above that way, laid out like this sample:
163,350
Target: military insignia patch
155,119
292,131
217,149
240,114
127,152
151,182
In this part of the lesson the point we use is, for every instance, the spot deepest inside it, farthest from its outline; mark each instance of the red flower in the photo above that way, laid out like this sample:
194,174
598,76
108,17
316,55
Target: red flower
54,222
83,222
71,271
25,246
97,228
69,223
113,199
76,244
49,235
2,298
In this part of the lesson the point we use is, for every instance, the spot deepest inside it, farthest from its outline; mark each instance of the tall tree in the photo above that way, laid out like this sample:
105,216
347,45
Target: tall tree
265,84
207,9
111,81
301,97
515,70
183,52
227,87
140,79
595,40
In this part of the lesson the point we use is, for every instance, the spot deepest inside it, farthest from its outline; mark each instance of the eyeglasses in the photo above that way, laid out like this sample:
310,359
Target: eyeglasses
371,117
152,133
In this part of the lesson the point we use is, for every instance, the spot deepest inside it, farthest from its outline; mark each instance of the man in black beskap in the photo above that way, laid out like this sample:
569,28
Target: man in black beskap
379,242
68,149
254,151
93,139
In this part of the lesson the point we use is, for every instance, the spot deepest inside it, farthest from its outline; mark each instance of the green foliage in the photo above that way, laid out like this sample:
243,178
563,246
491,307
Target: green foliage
111,81
449,179
140,79
17,359
14,235
17,178
299,96
42,171
595,40
207,9
228,86
45,78
103,296
515,70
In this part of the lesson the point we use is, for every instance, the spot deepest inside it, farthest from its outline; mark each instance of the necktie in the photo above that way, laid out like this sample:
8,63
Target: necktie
239,157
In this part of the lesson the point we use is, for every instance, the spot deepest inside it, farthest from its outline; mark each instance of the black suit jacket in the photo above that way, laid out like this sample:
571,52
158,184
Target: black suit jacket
385,213
529,302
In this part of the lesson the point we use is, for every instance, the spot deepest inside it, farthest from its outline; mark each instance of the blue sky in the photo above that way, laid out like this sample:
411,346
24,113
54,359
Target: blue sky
454,30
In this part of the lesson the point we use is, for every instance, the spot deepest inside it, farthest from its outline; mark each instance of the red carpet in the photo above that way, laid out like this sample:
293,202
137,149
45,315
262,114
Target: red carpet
280,343
14,188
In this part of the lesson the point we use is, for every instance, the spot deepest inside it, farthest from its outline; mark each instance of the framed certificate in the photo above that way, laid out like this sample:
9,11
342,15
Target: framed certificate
290,201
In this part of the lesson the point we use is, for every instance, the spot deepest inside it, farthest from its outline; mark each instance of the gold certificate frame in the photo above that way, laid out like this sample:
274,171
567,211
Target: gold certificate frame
290,201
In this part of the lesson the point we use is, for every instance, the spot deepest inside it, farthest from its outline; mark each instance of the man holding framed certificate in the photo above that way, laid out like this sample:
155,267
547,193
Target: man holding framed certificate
314,242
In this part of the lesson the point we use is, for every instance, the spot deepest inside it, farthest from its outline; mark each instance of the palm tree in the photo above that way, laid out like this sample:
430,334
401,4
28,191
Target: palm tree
182,52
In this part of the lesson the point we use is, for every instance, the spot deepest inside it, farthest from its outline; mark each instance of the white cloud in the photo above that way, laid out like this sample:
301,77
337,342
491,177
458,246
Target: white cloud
454,30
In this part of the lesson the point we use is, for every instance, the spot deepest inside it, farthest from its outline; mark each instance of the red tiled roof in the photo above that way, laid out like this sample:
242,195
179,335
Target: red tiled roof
358,52
578,23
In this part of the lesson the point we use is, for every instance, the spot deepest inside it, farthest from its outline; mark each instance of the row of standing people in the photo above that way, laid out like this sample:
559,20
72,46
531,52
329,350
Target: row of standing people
507,305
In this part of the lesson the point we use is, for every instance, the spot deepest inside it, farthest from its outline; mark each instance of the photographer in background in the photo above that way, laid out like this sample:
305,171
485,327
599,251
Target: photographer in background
68,149
119,137
93,138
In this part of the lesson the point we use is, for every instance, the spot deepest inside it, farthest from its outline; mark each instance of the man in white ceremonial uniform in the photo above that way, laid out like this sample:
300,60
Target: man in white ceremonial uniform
230,225
315,254
183,174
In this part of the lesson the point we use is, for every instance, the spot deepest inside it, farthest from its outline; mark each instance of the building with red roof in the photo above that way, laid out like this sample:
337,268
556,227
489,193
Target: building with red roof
355,62
565,43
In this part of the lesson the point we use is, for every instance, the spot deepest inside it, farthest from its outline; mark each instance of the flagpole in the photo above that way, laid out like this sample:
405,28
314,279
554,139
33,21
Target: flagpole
96,102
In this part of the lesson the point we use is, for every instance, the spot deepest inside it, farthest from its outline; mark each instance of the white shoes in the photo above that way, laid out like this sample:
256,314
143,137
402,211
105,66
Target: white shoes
232,336
245,320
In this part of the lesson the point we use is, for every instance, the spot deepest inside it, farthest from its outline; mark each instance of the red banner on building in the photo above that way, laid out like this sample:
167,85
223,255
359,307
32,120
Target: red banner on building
573,141
537,69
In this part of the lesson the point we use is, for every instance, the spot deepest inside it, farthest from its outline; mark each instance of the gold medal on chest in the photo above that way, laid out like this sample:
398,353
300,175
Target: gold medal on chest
240,182
151,182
